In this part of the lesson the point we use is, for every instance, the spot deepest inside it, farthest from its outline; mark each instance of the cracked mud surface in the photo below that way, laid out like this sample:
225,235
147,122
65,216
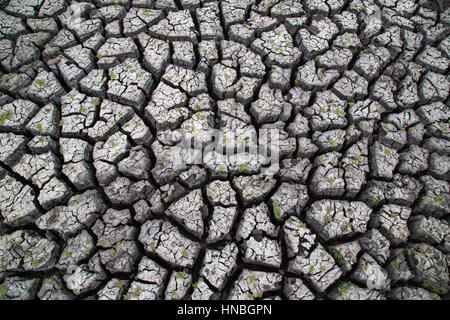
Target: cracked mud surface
97,202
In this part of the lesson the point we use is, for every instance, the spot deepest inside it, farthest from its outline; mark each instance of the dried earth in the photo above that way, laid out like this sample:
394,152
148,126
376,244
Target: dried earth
98,202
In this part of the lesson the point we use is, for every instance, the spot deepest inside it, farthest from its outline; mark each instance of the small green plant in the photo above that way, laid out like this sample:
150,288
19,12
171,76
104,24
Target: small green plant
66,254
340,112
119,245
3,289
102,242
118,283
348,224
331,142
137,291
337,254
243,166
42,83
357,160
112,75
35,262
96,101
434,296
6,115
375,199
343,289
311,269
276,211
253,277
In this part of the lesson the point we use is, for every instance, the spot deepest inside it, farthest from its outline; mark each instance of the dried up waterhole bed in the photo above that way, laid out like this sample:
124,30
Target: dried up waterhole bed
98,201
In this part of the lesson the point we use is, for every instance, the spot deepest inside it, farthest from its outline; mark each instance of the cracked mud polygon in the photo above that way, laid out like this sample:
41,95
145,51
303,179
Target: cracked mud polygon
98,200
